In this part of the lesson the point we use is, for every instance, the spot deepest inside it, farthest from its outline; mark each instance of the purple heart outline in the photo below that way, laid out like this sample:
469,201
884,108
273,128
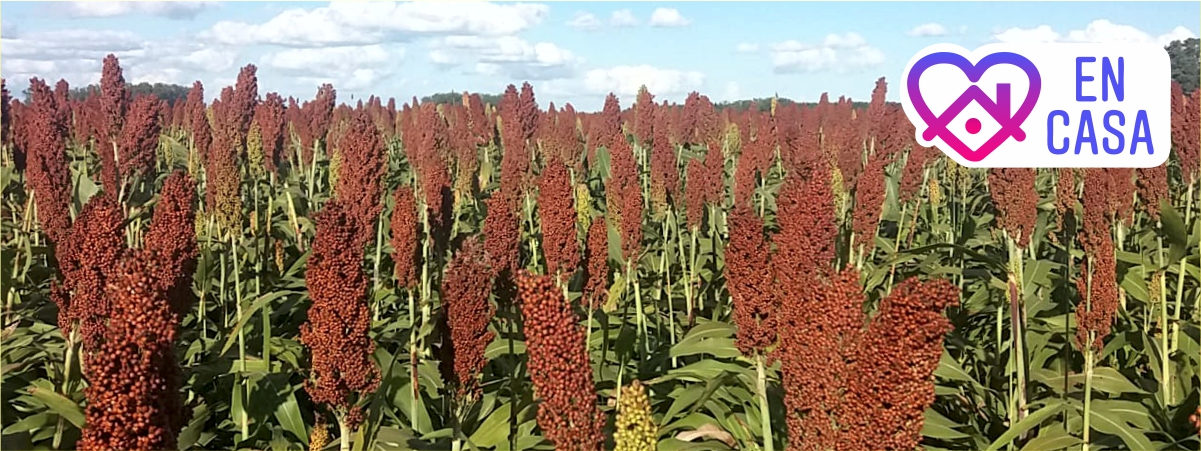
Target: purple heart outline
999,110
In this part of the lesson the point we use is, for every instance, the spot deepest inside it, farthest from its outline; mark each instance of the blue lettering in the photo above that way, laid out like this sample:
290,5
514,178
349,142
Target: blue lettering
1115,132
1085,133
1080,79
1051,132
1142,133
1108,77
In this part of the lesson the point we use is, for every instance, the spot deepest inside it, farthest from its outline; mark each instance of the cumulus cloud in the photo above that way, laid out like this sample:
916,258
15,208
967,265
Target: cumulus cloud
928,29
76,55
668,17
169,10
836,52
747,47
1097,31
369,64
623,18
584,21
360,23
626,80
509,55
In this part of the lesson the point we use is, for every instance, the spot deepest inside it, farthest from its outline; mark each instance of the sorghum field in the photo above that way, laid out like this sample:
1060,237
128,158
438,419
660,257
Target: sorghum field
273,273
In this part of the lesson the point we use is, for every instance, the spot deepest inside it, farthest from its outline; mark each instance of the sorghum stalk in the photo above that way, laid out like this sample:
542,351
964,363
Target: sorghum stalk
1089,357
764,410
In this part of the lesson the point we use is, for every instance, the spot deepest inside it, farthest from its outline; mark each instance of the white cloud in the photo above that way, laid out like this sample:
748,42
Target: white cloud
1097,31
928,29
733,92
8,30
668,17
76,55
170,10
623,18
584,21
350,23
626,80
370,64
510,55
836,52
747,47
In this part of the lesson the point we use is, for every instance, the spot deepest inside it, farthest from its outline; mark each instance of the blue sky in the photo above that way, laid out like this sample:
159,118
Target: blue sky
570,52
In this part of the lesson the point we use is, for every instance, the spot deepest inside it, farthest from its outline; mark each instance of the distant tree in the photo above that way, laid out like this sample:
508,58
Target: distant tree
457,97
163,91
1186,67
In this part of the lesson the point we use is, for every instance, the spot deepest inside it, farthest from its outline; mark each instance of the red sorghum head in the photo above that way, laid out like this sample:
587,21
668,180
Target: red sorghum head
1065,194
597,258
645,116
623,193
95,245
465,291
502,235
48,176
360,180
202,131
558,218
138,142
869,199
171,240
664,166
114,99
270,117
1016,200
134,379
891,381
404,223
1152,188
750,281
559,367
815,353
339,318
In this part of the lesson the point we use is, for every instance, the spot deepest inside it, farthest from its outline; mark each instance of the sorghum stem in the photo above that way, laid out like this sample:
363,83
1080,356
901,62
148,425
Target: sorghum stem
764,408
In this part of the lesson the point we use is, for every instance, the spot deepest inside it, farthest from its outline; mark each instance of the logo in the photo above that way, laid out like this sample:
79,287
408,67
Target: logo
1042,105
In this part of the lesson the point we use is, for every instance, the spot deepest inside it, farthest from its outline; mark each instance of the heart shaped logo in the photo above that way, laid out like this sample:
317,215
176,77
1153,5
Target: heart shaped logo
1011,126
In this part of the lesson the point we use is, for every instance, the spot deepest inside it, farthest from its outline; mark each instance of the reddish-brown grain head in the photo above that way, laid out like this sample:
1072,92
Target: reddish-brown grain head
465,291
339,319
559,367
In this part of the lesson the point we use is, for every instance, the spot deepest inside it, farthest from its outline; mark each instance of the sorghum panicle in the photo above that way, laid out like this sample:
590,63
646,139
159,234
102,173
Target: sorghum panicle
138,142
404,223
134,380
202,131
1016,200
1186,144
339,318
663,155
645,116
869,199
815,353
465,293
171,240
559,367
891,379
502,234
750,280
94,247
49,176
558,218
635,428
360,181
625,193
597,259
1152,188
269,115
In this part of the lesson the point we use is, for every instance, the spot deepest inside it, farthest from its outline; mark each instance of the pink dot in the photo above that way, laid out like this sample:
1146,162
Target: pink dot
973,126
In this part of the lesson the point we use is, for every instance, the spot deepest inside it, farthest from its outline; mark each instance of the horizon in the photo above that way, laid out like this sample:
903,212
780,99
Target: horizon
728,53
